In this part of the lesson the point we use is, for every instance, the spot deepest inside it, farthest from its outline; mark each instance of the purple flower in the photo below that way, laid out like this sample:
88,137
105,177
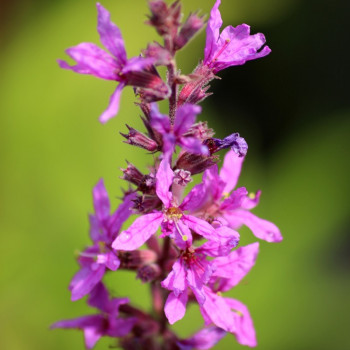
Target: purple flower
227,313
175,134
114,65
232,209
173,221
192,270
107,323
233,46
103,230
205,339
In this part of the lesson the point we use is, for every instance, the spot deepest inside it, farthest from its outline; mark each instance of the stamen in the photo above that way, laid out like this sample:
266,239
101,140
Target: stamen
226,195
227,41
251,195
184,237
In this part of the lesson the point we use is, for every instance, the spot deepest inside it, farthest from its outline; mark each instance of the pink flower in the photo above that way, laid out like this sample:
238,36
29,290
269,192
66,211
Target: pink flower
193,270
233,46
106,323
115,66
232,209
227,313
173,221
104,228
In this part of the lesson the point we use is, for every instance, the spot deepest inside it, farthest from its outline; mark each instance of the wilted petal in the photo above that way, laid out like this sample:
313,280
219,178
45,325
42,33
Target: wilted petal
244,327
113,106
185,118
101,201
110,35
236,265
231,170
91,60
203,340
139,232
261,228
164,180
213,32
175,307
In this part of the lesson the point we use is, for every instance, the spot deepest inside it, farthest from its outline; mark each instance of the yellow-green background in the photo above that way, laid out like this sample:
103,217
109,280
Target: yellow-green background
53,151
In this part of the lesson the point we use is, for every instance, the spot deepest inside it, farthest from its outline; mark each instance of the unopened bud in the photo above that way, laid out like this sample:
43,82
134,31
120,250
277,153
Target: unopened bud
200,131
146,203
166,20
148,273
192,25
137,138
136,258
132,174
195,163
161,55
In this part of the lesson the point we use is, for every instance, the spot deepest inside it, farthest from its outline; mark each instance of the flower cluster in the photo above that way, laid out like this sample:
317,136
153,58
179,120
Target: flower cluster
195,258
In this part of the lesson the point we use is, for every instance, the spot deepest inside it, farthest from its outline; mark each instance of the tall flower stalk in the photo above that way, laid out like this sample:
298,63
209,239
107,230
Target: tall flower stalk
186,247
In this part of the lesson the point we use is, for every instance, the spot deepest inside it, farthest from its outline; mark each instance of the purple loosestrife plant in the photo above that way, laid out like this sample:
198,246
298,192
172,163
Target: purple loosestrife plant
186,247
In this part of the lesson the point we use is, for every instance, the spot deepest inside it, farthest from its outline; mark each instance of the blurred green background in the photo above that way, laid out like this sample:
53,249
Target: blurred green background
292,107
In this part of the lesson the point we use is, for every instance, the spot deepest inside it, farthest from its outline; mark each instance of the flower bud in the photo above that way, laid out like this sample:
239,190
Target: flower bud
192,25
136,258
166,20
136,138
200,131
132,174
195,163
148,273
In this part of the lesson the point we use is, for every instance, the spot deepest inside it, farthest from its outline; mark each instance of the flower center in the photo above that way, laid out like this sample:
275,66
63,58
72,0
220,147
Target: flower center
174,213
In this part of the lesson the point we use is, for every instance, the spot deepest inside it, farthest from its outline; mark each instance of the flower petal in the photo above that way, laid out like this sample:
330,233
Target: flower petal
176,279
205,339
175,307
99,297
110,36
113,106
193,145
213,32
121,215
195,198
85,280
261,228
244,327
164,180
185,118
231,170
101,201
216,309
235,266
136,64
91,60
139,232
201,227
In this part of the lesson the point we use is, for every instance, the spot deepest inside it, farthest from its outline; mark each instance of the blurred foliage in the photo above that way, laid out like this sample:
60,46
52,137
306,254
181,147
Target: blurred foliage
53,151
